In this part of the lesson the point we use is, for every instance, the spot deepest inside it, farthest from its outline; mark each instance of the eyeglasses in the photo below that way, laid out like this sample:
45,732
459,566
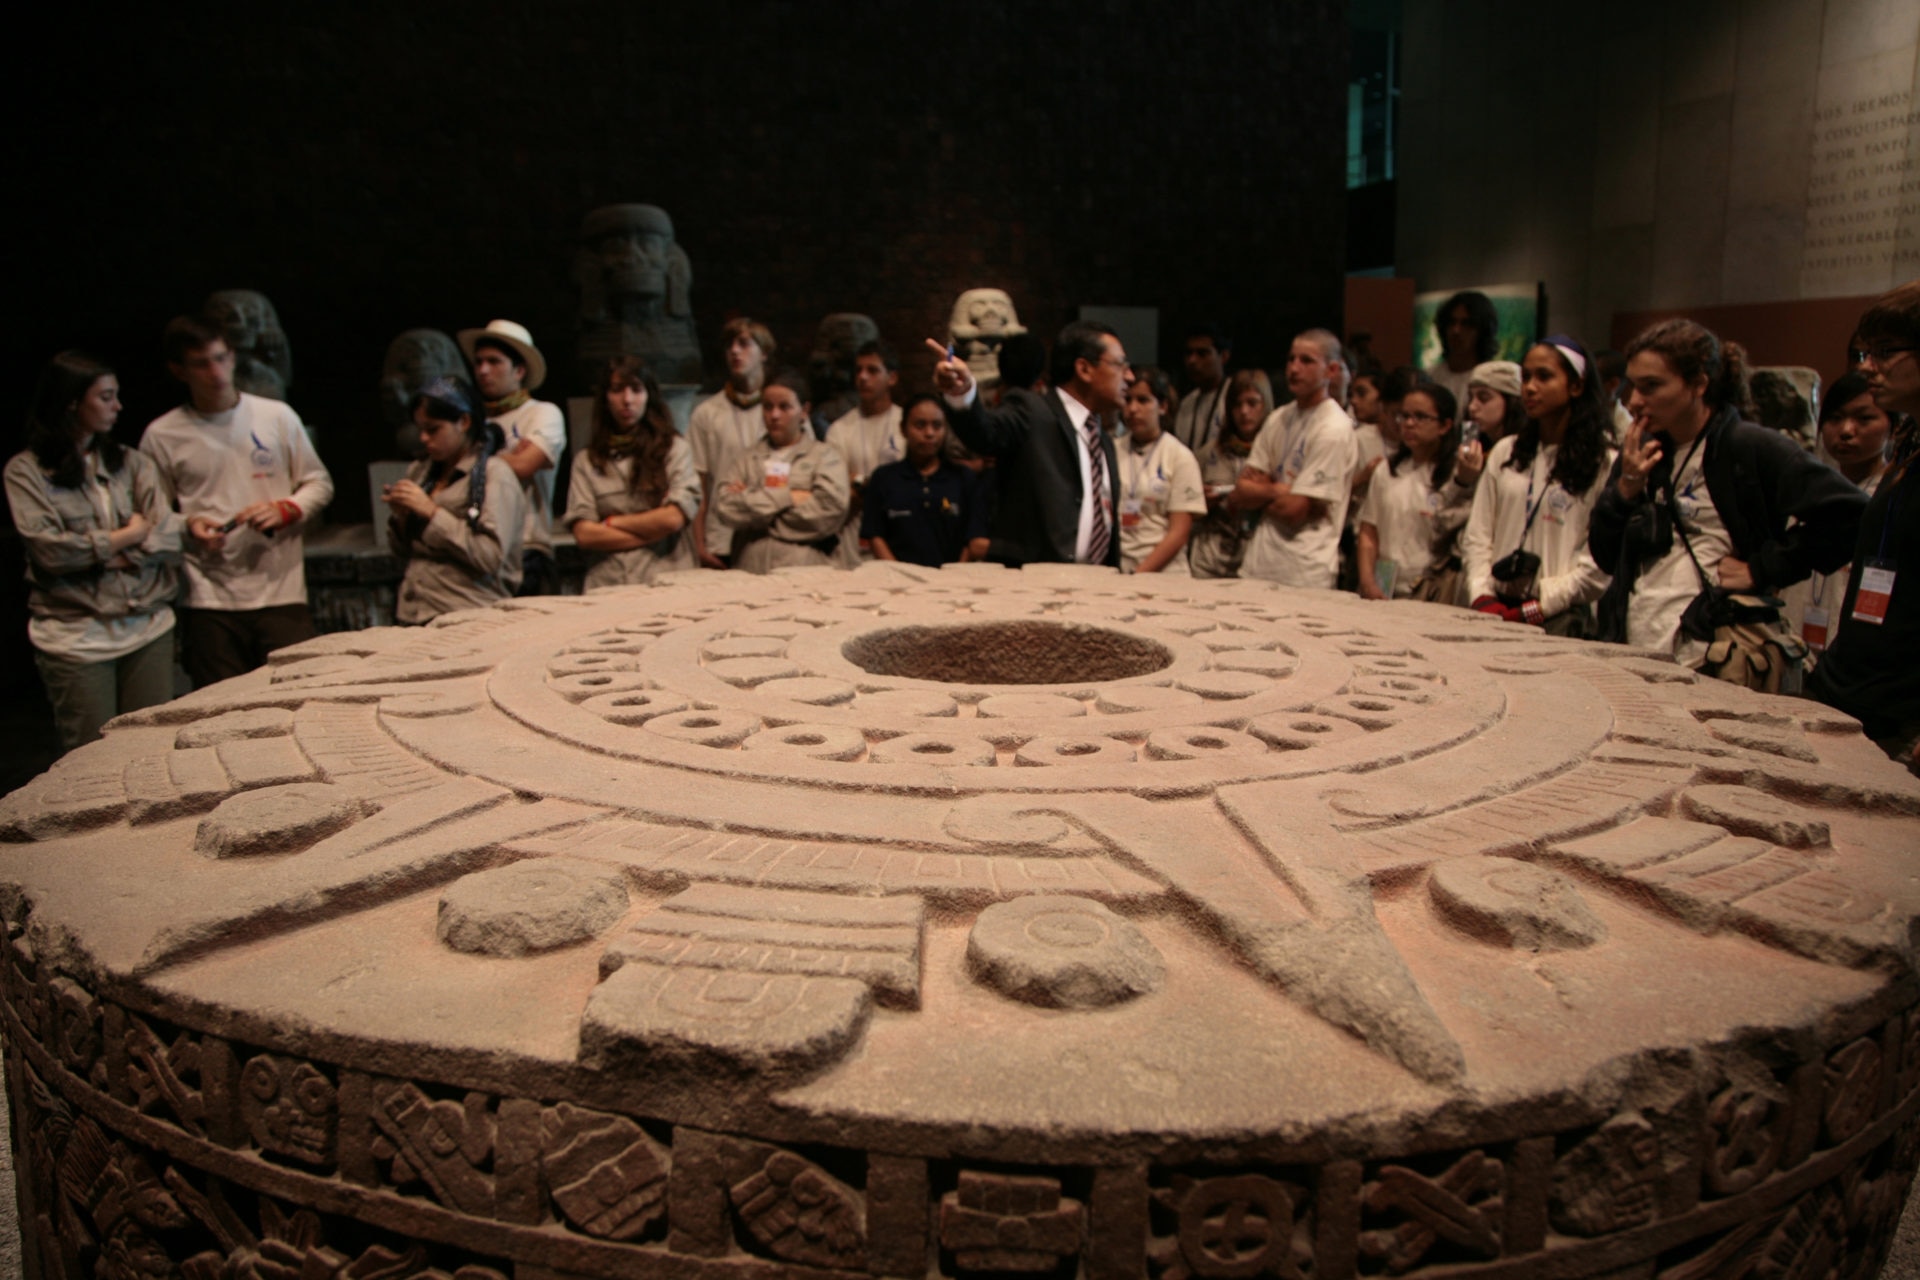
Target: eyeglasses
1120,363
1404,416
1877,355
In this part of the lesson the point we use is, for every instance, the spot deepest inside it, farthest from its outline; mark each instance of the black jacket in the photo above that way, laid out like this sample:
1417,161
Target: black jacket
1037,458
1786,512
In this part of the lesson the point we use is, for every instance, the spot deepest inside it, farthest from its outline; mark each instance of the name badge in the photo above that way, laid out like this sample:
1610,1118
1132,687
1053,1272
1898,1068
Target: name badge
1813,628
778,469
1130,513
1875,593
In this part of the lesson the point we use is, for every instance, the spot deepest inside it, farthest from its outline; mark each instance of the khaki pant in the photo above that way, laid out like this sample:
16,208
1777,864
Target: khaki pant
85,695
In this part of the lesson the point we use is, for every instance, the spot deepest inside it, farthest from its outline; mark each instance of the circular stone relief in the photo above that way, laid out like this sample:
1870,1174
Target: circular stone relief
1065,953
530,907
1308,922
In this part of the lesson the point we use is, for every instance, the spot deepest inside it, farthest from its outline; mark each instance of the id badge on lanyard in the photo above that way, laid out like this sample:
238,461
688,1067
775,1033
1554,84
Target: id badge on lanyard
1815,626
777,471
1875,592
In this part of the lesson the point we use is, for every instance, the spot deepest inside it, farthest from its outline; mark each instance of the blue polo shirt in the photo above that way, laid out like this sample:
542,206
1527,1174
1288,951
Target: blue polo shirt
925,519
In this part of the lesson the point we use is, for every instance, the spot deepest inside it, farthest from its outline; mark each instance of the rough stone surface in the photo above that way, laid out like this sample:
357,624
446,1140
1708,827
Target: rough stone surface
1514,904
531,906
1450,946
260,722
1063,953
278,819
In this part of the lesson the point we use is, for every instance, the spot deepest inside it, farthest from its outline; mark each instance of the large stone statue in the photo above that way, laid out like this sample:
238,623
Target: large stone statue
830,367
414,358
634,294
982,320
262,361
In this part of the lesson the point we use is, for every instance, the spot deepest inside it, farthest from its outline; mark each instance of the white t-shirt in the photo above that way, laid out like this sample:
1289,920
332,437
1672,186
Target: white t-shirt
1454,382
1154,483
1666,587
216,465
866,443
1402,509
1568,574
1370,443
540,422
1313,452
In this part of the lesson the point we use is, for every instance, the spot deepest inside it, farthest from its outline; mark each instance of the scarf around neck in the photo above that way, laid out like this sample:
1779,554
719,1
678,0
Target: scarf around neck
507,404
739,401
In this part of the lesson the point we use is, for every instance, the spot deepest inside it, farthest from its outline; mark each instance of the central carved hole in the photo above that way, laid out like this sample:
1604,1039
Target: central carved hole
1006,653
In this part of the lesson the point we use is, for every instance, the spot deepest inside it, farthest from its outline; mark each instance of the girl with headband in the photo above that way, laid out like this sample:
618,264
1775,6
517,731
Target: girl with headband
459,515
1525,546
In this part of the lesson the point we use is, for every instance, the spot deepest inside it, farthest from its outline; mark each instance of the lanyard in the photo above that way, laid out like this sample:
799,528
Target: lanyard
1681,470
1531,507
1200,426
1893,511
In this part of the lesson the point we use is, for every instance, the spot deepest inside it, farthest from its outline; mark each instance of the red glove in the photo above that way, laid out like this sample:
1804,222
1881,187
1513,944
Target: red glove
1487,604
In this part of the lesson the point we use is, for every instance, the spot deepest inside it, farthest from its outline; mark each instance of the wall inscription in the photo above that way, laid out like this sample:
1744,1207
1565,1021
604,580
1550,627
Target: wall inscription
1863,195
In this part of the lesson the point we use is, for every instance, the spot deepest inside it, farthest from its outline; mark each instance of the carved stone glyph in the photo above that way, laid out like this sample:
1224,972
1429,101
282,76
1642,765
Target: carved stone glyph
982,320
903,921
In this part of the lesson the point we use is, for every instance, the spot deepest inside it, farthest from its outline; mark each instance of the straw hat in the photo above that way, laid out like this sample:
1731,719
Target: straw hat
515,336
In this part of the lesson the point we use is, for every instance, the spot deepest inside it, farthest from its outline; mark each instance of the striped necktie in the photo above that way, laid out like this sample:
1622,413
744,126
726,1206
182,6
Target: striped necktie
1097,473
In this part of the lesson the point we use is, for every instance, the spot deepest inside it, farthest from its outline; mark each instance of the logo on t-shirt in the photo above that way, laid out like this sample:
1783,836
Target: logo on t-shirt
262,455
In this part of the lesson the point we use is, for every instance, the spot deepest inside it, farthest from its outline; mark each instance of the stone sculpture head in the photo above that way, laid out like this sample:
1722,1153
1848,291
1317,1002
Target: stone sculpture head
830,366
414,359
1783,399
629,267
263,362
982,320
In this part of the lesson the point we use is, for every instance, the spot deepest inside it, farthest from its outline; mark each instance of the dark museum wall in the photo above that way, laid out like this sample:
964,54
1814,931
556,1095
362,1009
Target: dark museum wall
373,170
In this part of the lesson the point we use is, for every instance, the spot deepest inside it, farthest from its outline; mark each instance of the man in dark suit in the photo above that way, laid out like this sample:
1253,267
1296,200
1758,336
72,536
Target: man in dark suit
1057,473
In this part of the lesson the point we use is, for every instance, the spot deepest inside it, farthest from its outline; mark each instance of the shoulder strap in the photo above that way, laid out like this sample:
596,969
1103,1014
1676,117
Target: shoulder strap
1673,512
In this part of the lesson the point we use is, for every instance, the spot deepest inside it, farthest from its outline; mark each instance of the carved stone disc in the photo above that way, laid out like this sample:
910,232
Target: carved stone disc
974,919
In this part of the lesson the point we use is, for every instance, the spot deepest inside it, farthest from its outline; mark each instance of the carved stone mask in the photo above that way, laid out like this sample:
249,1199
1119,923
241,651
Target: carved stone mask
415,358
251,326
629,258
835,342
